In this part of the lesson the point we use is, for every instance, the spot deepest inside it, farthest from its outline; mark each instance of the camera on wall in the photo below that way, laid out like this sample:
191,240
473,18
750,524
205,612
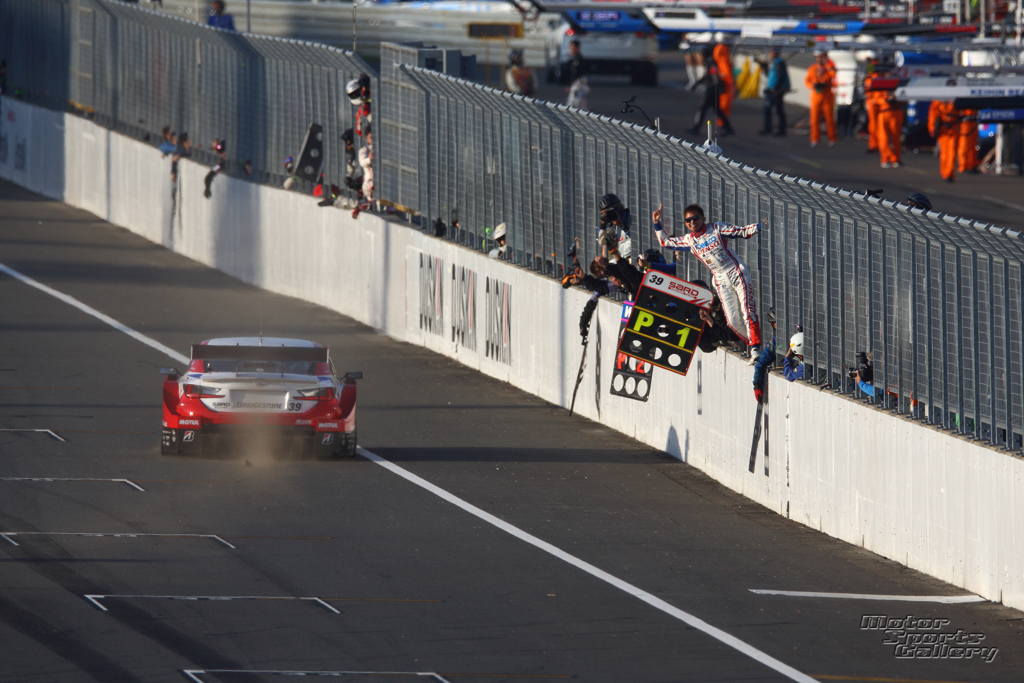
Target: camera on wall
863,366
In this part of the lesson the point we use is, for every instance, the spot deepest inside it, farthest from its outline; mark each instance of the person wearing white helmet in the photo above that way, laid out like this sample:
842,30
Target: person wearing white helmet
500,247
793,363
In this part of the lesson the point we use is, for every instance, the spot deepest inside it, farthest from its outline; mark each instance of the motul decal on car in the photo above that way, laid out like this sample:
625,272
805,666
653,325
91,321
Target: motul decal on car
183,422
328,439
328,425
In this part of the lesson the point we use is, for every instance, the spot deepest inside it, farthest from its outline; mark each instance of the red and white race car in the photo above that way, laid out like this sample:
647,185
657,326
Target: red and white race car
241,384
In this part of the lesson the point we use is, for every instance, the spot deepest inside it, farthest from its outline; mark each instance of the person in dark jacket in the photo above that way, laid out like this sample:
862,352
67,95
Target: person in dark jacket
775,89
712,84
577,72
218,19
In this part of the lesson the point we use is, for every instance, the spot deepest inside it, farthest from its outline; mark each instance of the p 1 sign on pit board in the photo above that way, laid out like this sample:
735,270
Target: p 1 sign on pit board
664,327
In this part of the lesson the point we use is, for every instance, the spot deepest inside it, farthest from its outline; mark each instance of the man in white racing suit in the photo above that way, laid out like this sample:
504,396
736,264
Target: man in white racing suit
709,243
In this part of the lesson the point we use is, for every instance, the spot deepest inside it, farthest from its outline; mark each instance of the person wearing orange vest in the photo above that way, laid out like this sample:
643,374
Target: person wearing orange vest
727,91
871,106
944,126
967,146
821,81
889,129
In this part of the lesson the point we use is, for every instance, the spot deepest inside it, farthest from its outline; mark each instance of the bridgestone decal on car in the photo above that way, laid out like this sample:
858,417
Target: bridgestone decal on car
431,294
328,439
258,406
188,436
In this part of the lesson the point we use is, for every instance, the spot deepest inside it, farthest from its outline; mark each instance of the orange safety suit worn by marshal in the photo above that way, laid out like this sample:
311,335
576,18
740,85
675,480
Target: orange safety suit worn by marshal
727,90
944,125
821,81
871,109
967,146
889,128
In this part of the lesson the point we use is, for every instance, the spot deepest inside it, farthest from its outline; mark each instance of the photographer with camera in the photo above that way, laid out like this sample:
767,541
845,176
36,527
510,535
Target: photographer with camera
615,217
863,375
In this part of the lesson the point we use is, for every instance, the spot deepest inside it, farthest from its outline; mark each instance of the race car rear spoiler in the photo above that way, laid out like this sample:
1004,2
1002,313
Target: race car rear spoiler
282,353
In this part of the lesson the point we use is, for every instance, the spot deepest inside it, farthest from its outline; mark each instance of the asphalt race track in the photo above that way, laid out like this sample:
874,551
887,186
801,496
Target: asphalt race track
483,536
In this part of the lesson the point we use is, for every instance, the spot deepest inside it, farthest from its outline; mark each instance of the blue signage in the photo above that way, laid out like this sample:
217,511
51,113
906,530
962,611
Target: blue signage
1001,115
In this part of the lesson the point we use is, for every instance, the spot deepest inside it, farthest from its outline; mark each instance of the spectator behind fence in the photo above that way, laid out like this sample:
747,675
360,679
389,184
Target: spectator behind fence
615,218
519,79
793,363
358,91
775,89
366,161
218,19
218,146
183,151
500,250
712,85
169,144
579,87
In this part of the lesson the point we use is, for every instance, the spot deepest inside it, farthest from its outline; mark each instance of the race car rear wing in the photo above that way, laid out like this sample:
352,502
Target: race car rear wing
280,353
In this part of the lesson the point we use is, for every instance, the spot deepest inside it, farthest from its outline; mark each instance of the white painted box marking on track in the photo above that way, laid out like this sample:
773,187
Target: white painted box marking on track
51,479
656,602
947,599
6,535
95,599
195,674
44,431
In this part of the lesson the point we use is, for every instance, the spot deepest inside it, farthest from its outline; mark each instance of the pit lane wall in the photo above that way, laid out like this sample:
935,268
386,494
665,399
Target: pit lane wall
924,498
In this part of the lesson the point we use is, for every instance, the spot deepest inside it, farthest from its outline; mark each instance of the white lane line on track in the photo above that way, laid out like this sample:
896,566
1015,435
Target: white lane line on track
947,599
657,603
70,300
50,479
687,618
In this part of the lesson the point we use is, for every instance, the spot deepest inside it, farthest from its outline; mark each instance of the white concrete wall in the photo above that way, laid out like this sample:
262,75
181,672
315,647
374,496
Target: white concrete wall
936,503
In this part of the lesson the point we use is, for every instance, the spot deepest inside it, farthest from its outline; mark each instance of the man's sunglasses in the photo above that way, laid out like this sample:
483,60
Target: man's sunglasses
692,219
